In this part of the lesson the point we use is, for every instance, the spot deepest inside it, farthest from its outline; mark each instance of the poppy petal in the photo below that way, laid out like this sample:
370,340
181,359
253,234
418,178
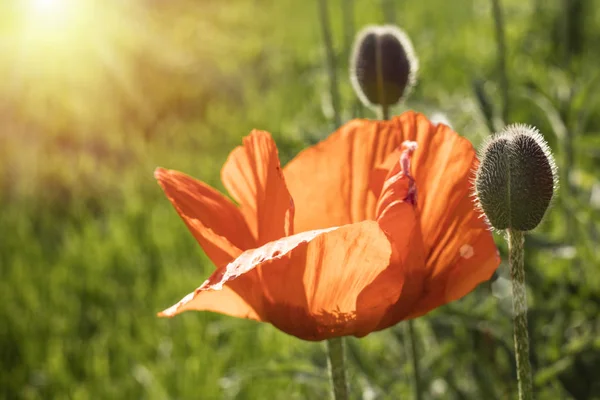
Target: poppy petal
469,258
473,267
253,177
330,181
225,301
241,276
320,284
380,173
215,222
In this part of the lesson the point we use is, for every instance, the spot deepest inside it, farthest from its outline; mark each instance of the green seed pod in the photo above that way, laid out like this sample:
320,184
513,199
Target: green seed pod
383,66
516,178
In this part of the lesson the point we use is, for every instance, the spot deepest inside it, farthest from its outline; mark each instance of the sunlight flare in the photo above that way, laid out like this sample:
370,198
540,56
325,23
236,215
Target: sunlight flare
46,5
49,10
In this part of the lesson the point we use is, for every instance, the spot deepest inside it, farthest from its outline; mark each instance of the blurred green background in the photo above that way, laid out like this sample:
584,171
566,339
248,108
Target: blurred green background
95,94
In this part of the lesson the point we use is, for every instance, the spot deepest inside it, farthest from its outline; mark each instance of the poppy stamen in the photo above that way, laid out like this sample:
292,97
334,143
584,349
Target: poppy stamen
409,148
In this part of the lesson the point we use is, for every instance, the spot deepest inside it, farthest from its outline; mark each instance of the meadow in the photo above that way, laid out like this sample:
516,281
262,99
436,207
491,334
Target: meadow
96,94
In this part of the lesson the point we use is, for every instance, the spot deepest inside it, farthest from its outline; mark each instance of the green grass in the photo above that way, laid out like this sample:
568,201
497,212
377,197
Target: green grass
90,249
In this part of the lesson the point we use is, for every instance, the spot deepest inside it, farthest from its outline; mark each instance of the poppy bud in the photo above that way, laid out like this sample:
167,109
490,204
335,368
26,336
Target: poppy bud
383,66
516,178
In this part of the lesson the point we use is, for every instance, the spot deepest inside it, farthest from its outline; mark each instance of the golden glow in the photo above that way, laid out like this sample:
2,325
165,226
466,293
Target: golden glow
46,6
46,13
49,23
71,60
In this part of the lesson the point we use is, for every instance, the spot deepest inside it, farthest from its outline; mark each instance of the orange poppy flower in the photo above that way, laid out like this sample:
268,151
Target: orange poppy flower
371,226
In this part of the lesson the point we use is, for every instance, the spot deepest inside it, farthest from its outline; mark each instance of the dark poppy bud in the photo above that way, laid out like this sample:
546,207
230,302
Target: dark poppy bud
516,178
383,66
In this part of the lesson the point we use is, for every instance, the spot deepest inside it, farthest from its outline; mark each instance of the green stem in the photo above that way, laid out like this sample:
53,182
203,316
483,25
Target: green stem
384,112
389,13
331,62
521,336
414,356
347,7
501,45
337,370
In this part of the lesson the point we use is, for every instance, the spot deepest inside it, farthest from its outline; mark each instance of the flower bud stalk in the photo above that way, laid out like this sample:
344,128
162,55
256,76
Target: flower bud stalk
337,370
517,273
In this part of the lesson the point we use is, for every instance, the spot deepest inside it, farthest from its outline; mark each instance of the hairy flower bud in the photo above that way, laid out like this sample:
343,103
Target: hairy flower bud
516,178
383,65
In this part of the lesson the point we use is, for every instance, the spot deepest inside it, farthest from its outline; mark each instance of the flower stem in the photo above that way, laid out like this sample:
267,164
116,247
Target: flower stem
384,112
349,26
517,274
331,61
347,7
414,355
337,369
389,13
501,48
